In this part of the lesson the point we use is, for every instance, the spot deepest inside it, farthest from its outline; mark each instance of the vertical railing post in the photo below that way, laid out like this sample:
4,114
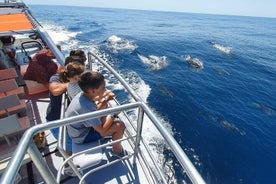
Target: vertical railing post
40,164
89,59
139,132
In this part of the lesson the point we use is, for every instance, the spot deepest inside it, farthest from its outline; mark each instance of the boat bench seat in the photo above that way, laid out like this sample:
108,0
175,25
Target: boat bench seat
6,151
6,154
12,105
12,125
88,159
8,73
10,87
12,73
34,87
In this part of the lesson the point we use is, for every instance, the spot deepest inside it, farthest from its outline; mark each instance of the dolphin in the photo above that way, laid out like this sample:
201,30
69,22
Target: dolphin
266,109
222,71
195,62
165,90
223,123
229,126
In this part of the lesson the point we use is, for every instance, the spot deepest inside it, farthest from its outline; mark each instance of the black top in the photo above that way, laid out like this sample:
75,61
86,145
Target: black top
54,107
6,39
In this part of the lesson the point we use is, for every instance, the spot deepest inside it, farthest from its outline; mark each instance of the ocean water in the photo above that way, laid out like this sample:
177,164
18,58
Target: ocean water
210,78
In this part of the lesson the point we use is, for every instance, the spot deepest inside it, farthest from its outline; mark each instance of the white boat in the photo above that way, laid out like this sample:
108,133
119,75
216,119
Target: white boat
22,161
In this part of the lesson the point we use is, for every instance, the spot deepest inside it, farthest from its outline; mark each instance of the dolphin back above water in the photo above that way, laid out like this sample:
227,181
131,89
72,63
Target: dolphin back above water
193,61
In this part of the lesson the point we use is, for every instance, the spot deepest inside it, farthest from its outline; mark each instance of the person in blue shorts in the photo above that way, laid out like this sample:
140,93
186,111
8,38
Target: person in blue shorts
94,96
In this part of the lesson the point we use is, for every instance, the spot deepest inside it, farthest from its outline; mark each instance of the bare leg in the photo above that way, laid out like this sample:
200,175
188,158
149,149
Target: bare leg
116,130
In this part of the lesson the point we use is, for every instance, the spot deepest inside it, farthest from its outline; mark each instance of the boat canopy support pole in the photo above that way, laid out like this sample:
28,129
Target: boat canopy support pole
139,133
50,43
40,164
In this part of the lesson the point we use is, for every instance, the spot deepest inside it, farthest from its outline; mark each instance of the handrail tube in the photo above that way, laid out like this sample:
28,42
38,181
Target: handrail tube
160,172
144,159
38,160
50,43
176,149
139,133
17,157
61,142
149,176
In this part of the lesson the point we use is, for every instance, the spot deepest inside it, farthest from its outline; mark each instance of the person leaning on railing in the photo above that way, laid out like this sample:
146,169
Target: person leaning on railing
56,89
71,73
93,89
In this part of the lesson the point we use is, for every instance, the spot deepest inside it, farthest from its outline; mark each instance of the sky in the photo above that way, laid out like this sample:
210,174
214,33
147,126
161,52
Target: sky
256,8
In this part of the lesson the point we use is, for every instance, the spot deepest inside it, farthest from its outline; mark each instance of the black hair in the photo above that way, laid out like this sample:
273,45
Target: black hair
90,80
78,55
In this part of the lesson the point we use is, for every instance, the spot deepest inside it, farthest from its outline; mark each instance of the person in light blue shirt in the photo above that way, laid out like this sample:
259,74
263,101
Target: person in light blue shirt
93,89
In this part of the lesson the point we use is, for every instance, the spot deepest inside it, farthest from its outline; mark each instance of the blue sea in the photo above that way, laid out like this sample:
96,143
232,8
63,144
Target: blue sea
211,79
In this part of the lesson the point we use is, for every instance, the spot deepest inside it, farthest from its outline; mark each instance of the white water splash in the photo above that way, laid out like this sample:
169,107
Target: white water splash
61,36
138,85
117,44
154,62
226,50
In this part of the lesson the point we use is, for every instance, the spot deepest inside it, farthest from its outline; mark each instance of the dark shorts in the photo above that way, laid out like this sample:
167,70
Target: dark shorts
55,133
92,136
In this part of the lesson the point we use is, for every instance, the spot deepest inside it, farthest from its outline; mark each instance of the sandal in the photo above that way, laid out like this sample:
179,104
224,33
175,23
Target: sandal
69,172
122,154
